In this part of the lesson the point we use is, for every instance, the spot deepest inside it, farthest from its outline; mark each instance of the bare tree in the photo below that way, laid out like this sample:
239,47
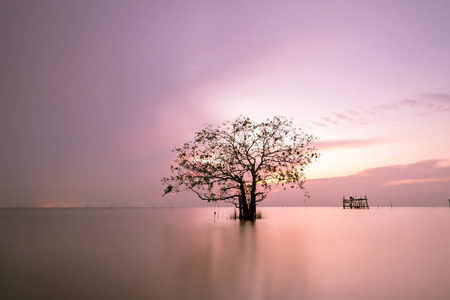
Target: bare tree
240,161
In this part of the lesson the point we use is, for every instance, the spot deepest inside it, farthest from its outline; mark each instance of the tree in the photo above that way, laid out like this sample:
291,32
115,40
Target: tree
240,162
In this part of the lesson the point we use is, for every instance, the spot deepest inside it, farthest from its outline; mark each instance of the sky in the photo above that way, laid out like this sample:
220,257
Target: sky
96,94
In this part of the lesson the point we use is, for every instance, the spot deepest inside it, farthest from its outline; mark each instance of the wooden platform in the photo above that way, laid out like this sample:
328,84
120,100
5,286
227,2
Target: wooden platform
357,203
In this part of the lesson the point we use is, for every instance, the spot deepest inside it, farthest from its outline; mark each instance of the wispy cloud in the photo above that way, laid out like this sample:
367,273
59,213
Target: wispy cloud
348,143
331,121
427,103
343,117
415,181
424,105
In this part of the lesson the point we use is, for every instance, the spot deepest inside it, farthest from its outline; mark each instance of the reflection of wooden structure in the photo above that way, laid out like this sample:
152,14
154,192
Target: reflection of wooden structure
358,203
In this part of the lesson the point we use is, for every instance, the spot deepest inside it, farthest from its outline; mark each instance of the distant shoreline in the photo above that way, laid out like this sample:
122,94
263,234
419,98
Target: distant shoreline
189,207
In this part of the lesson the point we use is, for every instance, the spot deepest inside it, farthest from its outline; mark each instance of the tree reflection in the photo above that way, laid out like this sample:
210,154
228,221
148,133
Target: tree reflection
232,261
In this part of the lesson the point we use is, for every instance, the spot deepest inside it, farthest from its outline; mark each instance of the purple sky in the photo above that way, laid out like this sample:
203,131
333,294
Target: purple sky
96,94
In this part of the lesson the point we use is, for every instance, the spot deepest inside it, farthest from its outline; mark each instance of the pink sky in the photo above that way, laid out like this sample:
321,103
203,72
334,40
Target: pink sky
95,95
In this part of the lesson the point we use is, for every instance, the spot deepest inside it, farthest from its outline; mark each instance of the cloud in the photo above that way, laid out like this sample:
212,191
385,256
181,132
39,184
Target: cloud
425,104
415,181
322,145
384,108
330,121
409,103
319,124
419,184
343,117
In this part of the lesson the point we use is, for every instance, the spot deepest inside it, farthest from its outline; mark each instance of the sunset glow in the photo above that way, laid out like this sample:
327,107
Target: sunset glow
95,97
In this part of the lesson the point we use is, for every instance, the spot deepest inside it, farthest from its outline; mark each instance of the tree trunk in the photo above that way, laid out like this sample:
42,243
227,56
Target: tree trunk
247,211
252,207
252,204
247,215
243,208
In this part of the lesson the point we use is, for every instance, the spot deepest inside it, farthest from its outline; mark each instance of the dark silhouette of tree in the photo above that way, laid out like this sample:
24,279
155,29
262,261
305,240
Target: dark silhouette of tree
239,162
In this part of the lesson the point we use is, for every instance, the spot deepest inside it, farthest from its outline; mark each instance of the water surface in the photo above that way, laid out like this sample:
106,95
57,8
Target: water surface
295,253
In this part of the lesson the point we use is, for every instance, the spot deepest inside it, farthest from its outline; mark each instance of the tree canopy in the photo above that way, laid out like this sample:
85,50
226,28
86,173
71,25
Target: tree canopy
241,160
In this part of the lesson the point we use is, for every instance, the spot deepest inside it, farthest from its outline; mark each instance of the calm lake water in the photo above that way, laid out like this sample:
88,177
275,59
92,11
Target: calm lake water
294,253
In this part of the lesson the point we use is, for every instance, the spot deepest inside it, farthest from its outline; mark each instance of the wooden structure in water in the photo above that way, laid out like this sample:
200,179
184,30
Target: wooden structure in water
357,203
